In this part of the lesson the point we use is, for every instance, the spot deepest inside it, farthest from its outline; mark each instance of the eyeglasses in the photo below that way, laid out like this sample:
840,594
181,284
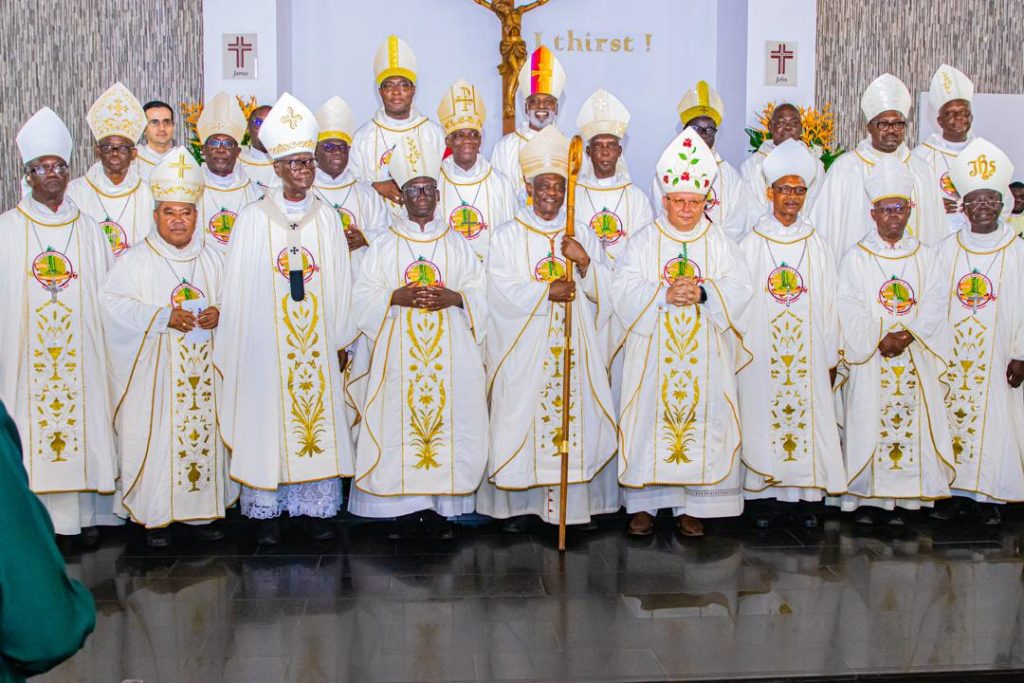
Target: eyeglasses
108,148
221,144
403,86
704,130
256,122
414,191
680,202
891,126
798,190
42,170
984,202
298,164
334,146
893,210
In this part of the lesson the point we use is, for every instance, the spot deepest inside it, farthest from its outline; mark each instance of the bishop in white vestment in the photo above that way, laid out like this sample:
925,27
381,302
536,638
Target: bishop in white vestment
527,294
159,314
475,197
791,448
841,210
112,191
950,95
892,312
541,81
983,267
730,206
395,70
53,365
221,128
681,289
284,319
421,302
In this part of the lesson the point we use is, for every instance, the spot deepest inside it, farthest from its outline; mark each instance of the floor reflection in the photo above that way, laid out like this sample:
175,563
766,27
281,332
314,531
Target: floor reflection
839,600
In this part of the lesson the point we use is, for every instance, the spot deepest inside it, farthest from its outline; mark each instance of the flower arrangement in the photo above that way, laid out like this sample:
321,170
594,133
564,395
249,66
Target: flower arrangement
819,131
193,110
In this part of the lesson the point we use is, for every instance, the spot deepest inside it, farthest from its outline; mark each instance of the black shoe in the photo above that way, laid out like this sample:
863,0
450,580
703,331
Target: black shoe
208,533
158,538
516,525
808,520
90,537
864,516
321,529
945,510
269,532
988,514
763,518
405,527
896,518
436,526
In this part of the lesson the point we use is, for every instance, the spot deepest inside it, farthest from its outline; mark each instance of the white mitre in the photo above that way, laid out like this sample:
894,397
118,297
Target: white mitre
687,165
289,128
889,178
177,178
602,114
221,116
790,158
44,135
885,93
411,160
948,84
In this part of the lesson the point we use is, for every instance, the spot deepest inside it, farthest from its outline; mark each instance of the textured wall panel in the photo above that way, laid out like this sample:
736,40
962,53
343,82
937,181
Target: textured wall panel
64,53
858,41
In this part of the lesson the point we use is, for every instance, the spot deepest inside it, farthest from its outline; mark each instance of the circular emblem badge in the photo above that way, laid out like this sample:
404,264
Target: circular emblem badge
423,273
348,219
185,292
947,187
385,158
897,296
607,226
549,268
116,236
975,290
785,284
53,270
221,224
681,267
308,264
467,220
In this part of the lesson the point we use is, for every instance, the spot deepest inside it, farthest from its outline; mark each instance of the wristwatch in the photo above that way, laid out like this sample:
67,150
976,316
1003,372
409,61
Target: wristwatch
703,295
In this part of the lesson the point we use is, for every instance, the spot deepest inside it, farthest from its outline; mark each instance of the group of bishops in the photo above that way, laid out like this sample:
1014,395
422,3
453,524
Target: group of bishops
384,304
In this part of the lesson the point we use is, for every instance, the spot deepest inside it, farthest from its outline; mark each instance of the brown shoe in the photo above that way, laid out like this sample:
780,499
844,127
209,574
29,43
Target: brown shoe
690,526
641,524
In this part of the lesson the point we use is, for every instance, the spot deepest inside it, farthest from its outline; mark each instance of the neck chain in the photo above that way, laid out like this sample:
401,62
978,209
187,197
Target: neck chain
476,196
408,244
190,280
130,200
779,264
622,193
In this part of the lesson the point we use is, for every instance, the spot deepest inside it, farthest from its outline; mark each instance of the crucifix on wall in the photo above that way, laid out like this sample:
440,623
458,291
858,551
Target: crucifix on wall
513,52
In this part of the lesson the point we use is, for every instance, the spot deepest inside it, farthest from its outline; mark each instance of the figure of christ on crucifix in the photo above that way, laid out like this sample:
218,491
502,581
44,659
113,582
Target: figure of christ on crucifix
513,52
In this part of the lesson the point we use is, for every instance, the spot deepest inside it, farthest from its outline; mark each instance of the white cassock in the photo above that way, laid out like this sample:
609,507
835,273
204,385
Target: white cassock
901,456
259,168
53,364
505,157
984,286
937,152
282,408
423,441
358,205
222,201
173,462
475,202
524,361
614,208
680,430
730,206
147,159
124,211
790,437
842,207
752,172
375,140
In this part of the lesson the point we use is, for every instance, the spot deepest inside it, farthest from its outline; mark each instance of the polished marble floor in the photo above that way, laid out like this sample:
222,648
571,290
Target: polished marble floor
840,602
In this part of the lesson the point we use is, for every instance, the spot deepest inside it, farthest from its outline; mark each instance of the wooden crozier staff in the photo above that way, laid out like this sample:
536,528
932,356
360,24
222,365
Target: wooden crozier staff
575,161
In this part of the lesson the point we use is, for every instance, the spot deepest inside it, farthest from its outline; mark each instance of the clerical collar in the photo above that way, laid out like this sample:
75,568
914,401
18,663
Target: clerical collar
976,241
323,180
232,181
254,155
524,130
670,231
151,155
873,243
556,224
41,212
414,119
101,181
291,208
936,140
866,149
476,172
404,227
770,226
617,180
169,251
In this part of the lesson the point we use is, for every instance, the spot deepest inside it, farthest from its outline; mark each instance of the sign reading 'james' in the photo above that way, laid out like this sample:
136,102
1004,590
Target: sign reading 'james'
780,62
240,55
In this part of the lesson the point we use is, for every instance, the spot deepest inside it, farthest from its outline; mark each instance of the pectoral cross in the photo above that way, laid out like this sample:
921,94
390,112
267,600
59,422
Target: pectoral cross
53,288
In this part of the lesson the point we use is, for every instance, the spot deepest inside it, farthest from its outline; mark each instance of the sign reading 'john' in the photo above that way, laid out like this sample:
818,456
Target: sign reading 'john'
240,55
